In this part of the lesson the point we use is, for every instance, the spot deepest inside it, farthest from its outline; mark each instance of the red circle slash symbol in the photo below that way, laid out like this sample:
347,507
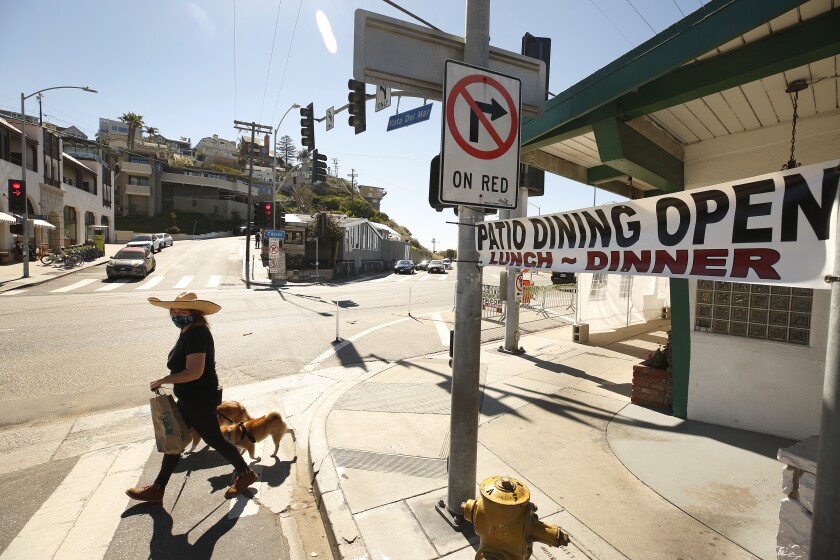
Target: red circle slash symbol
502,145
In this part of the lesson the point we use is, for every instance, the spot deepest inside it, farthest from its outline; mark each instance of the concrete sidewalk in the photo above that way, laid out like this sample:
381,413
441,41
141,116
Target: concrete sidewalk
624,481
11,275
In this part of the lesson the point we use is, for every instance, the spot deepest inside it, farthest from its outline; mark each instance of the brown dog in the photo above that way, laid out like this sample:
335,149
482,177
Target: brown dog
233,410
272,424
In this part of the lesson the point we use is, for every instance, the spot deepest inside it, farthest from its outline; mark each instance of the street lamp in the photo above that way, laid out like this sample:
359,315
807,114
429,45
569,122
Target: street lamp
274,164
23,99
539,213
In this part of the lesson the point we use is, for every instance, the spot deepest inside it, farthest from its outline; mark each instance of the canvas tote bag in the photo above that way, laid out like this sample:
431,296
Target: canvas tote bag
171,432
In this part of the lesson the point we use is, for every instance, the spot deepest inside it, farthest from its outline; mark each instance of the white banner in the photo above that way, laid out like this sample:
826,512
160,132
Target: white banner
777,228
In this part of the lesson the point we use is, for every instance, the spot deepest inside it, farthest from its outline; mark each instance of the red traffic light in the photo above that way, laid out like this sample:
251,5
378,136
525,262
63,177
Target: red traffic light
16,188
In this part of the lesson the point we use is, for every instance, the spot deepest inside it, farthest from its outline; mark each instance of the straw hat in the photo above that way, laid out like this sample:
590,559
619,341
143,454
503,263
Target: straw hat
187,300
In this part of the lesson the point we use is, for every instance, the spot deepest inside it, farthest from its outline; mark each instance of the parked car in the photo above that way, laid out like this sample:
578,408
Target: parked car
563,278
165,240
145,240
131,261
436,266
404,267
243,229
422,265
447,263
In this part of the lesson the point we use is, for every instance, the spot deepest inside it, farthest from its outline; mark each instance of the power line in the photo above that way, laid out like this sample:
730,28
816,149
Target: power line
611,21
270,58
288,54
678,7
403,10
641,16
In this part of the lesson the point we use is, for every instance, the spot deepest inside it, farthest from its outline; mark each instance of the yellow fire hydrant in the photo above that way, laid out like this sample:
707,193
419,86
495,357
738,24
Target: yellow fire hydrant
506,521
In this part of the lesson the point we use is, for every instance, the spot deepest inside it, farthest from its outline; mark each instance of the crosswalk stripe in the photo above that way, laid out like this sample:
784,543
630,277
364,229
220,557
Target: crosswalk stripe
80,518
13,292
381,279
184,282
444,277
151,283
426,277
404,279
442,328
78,284
112,286
277,498
214,281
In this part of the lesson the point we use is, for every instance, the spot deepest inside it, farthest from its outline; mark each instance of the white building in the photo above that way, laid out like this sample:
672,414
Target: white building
212,149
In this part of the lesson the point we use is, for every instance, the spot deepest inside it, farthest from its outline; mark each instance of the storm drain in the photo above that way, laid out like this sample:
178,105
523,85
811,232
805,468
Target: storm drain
420,398
422,467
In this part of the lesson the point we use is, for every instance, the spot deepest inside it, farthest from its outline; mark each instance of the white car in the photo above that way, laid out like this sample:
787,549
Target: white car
165,240
147,240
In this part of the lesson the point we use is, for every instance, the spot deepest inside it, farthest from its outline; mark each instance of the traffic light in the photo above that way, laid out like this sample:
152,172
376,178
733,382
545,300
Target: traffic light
257,213
356,97
267,208
281,220
319,167
307,123
17,196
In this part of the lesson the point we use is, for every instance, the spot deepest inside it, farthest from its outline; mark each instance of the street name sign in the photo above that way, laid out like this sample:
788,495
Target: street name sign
275,234
407,118
480,137
383,97
394,53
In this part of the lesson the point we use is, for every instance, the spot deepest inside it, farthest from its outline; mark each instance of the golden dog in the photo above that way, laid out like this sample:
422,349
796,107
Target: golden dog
233,410
272,424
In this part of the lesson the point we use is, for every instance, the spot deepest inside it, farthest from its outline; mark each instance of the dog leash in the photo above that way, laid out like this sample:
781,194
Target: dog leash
245,433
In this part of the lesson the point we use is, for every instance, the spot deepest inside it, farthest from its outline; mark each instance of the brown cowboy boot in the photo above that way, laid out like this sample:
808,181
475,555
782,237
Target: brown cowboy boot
152,494
241,481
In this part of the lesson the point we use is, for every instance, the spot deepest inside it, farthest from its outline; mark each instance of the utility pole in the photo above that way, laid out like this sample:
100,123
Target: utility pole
254,128
335,166
463,420
511,305
40,110
433,245
353,176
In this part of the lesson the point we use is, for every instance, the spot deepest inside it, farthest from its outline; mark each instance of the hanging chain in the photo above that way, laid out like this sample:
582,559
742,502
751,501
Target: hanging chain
791,164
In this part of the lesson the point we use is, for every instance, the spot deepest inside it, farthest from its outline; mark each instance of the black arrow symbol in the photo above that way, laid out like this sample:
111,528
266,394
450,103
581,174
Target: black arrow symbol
493,109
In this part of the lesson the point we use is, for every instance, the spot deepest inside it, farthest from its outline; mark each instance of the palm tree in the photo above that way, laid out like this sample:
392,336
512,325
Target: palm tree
303,154
134,121
151,132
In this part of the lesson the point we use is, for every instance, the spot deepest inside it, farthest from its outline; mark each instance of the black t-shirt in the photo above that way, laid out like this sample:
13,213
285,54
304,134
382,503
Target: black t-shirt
196,340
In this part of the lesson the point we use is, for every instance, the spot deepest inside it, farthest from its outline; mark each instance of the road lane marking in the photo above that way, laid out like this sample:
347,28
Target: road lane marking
269,494
184,282
444,278
80,517
112,286
426,277
149,284
214,281
442,328
78,284
13,292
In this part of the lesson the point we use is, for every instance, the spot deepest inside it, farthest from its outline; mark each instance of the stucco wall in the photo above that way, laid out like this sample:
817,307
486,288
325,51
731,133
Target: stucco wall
758,385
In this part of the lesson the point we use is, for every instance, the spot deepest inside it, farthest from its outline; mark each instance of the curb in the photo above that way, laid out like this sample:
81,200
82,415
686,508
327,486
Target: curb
342,532
45,280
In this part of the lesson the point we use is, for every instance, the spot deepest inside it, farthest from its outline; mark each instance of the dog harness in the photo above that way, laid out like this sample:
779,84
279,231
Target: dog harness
245,433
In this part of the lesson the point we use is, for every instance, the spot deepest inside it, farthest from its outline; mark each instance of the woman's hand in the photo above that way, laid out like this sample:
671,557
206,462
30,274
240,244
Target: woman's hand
155,384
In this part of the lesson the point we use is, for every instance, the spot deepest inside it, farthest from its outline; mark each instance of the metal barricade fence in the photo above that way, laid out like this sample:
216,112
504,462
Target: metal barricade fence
558,299
491,302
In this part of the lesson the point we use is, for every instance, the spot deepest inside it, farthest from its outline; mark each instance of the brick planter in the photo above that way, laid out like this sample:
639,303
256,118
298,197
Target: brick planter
652,388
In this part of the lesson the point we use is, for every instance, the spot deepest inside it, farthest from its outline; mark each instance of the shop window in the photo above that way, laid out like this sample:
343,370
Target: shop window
777,313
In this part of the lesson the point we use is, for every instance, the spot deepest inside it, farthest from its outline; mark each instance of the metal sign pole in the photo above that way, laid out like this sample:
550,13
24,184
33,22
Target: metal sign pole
825,527
463,423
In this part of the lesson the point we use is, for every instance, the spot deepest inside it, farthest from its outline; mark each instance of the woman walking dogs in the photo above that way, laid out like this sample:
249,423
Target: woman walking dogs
192,366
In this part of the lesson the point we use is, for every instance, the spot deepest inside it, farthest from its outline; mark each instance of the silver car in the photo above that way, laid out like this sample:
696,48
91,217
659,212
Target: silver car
436,266
146,240
165,240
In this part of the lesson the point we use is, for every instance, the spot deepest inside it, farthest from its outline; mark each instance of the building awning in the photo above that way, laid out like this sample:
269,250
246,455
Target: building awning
42,224
7,218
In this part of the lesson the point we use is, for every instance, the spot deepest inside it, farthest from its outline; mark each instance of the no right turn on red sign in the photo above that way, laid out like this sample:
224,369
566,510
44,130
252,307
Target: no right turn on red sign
480,137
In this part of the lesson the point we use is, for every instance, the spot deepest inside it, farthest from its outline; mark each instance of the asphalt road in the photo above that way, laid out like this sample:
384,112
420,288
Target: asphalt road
83,343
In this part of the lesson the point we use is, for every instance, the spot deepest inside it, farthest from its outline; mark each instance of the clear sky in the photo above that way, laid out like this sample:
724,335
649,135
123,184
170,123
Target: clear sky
191,67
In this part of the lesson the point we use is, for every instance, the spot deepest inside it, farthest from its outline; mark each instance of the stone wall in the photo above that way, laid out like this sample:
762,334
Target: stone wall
799,479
